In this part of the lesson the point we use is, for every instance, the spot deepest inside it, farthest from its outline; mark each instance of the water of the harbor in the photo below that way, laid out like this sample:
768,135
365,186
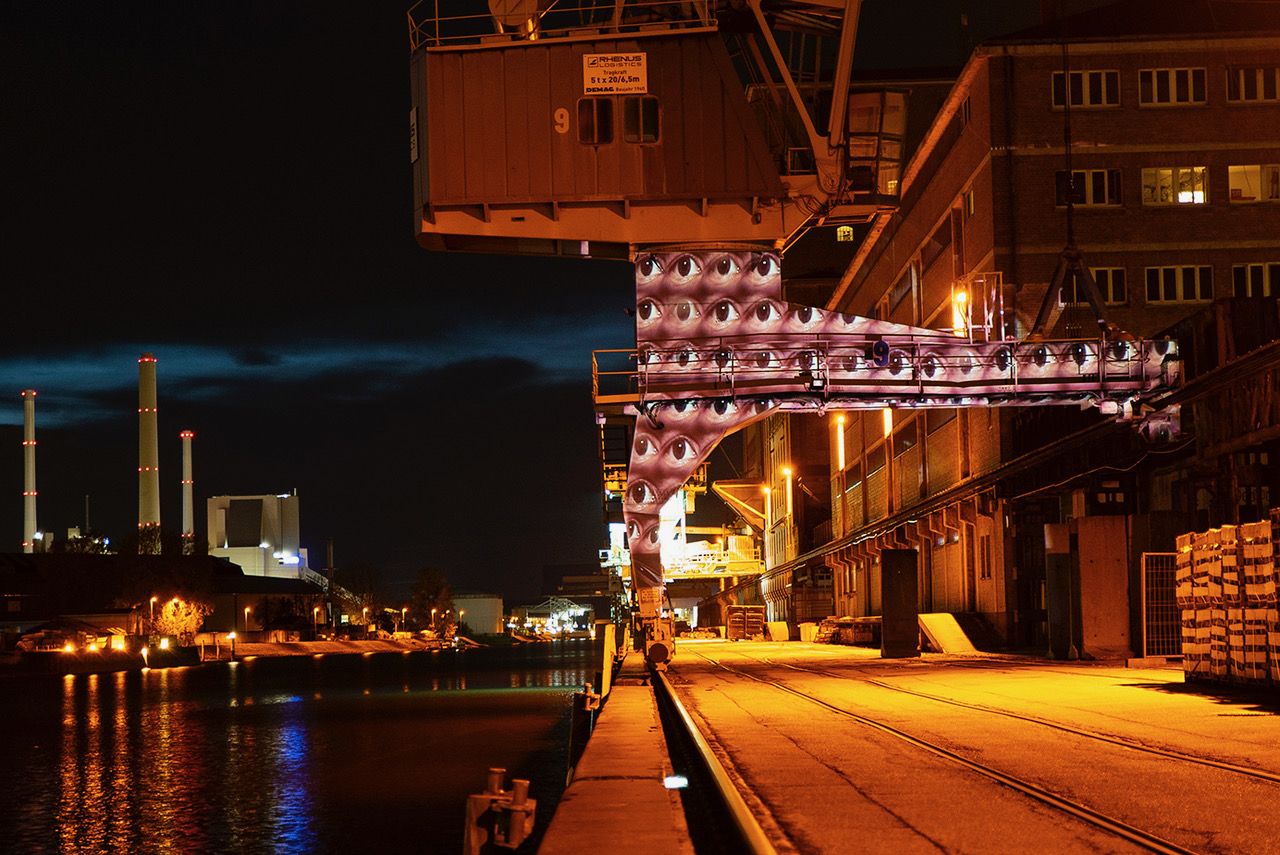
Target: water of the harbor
337,753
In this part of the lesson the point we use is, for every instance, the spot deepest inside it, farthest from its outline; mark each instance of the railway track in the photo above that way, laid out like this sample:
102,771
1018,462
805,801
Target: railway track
1043,794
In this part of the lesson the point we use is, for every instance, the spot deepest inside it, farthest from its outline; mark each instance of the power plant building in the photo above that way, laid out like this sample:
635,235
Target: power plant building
258,533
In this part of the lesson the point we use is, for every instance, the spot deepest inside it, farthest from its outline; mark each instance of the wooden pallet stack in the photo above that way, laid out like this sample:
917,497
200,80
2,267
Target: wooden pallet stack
1226,587
1258,577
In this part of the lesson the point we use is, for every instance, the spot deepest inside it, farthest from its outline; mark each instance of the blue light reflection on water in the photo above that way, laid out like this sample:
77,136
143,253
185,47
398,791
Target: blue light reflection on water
282,755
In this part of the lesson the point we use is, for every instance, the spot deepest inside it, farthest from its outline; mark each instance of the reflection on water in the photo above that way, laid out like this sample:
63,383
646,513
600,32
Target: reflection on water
283,755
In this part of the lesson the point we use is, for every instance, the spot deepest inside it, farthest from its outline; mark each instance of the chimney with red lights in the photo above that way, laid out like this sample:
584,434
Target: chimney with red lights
188,510
29,473
148,456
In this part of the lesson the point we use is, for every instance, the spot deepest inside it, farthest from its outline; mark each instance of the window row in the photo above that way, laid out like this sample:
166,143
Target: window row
1171,185
1164,86
639,120
1177,284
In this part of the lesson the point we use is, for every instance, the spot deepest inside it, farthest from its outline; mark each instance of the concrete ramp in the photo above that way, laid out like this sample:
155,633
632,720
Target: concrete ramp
945,633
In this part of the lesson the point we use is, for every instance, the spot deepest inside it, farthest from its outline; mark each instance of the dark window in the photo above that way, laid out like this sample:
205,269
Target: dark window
934,419
906,437
1171,86
595,121
875,459
640,119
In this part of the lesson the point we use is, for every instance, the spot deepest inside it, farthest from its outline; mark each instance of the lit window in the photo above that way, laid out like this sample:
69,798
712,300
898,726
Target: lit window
1171,86
1257,183
1088,88
1253,84
1255,280
1179,185
1179,284
595,121
640,119
1089,187
1111,284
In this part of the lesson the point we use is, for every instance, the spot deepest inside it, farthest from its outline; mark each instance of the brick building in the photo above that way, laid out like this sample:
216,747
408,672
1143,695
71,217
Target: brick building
1173,174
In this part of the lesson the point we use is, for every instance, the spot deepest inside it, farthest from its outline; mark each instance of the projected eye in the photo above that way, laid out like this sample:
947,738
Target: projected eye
723,313
685,358
648,310
763,315
648,267
686,311
724,267
765,266
765,359
684,270
641,493
681,451
803,317
644,448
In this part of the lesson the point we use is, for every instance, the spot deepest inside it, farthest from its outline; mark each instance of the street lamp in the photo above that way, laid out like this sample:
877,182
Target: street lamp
232,635
246,618
153,613
433,620
403,614
315,620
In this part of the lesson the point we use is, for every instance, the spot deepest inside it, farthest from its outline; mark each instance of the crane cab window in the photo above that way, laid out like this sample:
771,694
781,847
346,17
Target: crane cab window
595,121
640,119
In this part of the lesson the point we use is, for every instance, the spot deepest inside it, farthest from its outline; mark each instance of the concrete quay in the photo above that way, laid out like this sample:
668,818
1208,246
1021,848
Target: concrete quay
837,750
617,801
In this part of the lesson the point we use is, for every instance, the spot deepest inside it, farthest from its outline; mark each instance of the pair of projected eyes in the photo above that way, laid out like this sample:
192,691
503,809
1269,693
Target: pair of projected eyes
634,533
770,359
679,451
651,310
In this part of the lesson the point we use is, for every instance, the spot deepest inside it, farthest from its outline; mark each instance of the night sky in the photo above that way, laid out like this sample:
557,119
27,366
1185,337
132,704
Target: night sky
227,186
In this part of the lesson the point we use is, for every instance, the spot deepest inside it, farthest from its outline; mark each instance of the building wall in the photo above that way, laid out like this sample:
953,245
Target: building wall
483,613
260,533
983,198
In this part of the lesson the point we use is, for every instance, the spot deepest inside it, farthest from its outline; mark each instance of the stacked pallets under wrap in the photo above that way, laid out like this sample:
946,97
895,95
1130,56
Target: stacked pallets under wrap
1226,589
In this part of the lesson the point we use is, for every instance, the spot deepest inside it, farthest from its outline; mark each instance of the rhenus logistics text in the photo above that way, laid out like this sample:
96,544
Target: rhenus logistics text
614,73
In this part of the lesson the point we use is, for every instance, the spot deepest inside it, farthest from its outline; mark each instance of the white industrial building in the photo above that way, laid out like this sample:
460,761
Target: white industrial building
258,533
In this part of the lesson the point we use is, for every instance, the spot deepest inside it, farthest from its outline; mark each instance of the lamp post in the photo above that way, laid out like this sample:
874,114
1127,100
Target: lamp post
404,612
153,614
433,620
315,622
232,636
246,618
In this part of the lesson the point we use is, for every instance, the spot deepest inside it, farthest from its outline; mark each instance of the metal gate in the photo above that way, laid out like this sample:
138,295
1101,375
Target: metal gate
1161,619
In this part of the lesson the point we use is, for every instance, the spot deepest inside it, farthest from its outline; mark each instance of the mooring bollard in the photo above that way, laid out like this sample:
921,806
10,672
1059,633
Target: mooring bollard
498,818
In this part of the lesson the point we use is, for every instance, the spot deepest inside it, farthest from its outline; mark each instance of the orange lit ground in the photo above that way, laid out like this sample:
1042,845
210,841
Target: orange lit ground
823,782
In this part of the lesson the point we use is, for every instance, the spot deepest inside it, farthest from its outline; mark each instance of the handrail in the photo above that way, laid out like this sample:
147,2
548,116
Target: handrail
534,19
883,368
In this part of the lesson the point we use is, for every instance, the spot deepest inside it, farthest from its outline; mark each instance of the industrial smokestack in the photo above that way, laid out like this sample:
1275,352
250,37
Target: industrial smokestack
188,510
29,474
148,457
